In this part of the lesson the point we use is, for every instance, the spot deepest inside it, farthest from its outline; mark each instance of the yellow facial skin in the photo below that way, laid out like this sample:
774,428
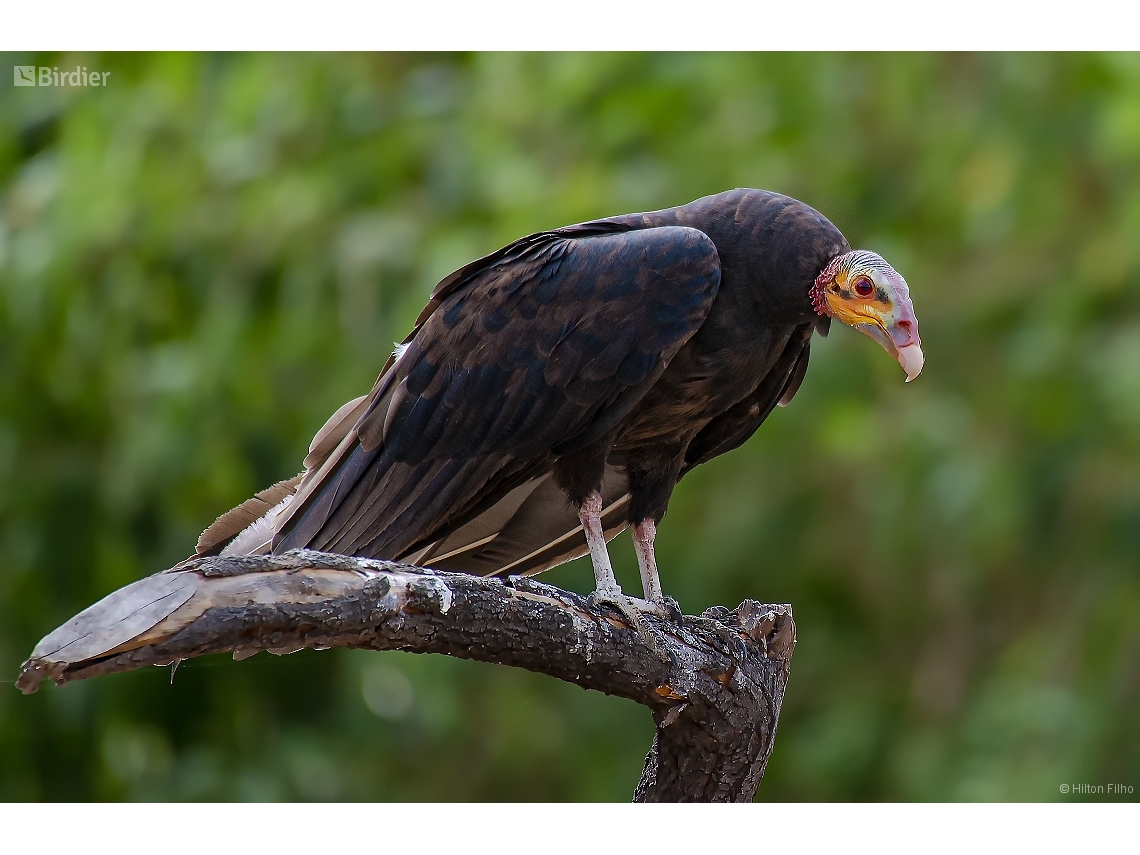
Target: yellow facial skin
864,292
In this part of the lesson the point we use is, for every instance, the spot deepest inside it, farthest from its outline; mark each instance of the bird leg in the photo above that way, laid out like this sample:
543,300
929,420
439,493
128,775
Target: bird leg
590,513
606,588
644,533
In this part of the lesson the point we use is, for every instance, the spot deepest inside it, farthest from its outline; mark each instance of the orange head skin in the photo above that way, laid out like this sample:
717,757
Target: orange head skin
860,289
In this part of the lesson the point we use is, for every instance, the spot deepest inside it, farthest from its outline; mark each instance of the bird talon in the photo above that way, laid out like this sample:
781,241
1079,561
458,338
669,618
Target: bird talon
672,609
734,645
606,597
634,616
666,608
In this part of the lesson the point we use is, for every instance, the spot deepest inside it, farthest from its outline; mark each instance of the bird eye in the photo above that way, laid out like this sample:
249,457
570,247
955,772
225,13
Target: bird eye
864,288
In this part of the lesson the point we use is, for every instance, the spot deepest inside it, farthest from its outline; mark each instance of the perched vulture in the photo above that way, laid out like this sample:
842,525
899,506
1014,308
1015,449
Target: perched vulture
554,392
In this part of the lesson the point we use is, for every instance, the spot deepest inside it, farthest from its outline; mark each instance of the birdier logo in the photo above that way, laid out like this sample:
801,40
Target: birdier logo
30,75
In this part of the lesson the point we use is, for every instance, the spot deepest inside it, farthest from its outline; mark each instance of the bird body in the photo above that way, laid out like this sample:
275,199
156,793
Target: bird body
554,392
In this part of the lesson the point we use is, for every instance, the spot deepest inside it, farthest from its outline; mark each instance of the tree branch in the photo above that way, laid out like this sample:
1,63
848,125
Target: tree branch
716,703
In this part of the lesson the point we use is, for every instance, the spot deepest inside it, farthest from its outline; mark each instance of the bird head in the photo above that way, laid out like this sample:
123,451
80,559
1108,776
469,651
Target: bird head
863,291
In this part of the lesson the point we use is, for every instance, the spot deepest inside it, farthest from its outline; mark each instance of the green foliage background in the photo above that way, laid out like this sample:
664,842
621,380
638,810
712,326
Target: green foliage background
201,261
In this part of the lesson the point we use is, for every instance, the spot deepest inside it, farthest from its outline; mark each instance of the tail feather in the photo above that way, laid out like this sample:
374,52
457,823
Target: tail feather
232,523
530,530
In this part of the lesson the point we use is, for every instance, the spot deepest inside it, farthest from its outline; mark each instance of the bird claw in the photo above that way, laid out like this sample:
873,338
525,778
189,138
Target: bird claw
633,611
730,638
672,609
666,608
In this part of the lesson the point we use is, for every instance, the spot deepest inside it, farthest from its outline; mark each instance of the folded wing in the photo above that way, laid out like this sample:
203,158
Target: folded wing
536,351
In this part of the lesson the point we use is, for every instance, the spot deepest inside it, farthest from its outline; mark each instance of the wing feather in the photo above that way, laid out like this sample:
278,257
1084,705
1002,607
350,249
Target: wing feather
540,347
739,422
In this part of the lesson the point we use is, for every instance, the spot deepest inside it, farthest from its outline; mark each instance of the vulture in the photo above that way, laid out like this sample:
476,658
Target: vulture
553,392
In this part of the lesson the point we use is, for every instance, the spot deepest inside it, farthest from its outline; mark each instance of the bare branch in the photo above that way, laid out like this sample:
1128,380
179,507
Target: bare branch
716,703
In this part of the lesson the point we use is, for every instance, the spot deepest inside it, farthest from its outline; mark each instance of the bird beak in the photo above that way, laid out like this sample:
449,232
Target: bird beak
897,330
911,360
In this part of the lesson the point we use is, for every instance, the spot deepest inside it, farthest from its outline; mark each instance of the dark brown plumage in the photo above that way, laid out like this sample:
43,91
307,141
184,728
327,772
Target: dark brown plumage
574,372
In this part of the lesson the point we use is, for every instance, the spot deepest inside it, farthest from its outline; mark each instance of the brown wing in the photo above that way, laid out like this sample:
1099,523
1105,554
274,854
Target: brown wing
734,426
540,351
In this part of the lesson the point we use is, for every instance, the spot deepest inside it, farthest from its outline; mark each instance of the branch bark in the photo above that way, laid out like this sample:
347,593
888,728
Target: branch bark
716,703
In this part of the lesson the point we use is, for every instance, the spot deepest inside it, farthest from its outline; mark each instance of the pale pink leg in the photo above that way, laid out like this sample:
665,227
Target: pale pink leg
643,535
606,588
591,516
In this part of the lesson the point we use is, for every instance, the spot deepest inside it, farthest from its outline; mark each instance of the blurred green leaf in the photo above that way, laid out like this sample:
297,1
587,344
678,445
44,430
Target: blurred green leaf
201,261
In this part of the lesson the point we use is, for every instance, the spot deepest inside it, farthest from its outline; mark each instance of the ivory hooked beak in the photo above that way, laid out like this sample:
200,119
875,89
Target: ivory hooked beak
910,358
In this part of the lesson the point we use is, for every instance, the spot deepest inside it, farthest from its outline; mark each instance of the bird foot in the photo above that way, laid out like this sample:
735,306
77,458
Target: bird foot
670,609
730,638
666,608
634,611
